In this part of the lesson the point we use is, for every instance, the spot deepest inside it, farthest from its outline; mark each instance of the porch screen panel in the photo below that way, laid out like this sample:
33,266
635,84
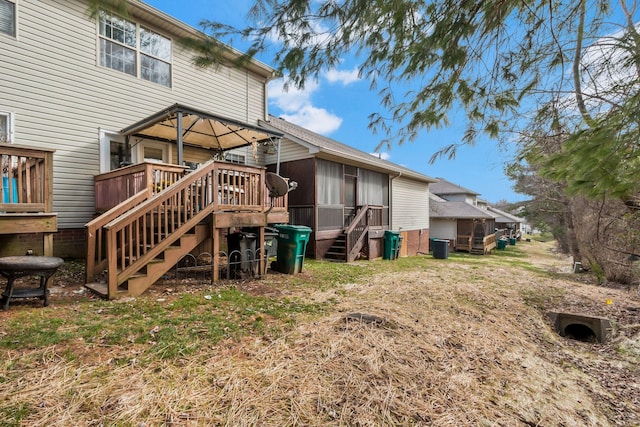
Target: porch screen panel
330,207
373,189
301,216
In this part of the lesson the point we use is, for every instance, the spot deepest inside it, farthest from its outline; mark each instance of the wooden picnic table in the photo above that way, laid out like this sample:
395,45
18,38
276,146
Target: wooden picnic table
13,267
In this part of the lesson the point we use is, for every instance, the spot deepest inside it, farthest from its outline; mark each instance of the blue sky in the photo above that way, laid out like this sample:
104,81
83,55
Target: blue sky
338,106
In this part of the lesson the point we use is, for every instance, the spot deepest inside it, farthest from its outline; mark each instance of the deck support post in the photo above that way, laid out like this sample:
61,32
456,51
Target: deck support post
262,265
215,251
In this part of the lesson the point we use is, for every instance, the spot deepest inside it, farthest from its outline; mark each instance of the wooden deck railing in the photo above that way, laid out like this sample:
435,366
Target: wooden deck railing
489,242
97,236
131,234
367,216
27,179
113,188
465,243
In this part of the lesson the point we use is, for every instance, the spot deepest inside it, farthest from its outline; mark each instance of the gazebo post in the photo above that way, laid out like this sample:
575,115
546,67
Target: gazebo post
179,136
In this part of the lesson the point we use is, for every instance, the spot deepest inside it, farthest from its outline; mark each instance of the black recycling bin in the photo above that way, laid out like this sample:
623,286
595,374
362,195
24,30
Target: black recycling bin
440,249
242,254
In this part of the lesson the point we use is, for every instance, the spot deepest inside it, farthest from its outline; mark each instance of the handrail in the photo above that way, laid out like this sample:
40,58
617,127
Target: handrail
96,234
141,234
357,231
112,188
489,242
464,242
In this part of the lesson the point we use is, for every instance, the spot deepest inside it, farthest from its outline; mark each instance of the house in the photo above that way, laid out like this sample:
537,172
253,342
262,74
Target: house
349,197
456,217
111,112
511,225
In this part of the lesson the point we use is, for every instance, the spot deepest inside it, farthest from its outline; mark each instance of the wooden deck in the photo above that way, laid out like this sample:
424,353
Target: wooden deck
478,246
26,201
167,213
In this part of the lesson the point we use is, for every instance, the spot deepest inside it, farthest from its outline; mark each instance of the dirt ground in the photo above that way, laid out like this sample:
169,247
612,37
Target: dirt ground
454,342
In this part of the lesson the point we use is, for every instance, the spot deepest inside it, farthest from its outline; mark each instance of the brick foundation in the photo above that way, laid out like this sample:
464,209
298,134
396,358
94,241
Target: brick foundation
67,243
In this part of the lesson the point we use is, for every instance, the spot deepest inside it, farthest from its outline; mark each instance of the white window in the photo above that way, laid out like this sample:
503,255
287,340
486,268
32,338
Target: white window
235,158
135,50
155,57
8,17
152,151
6,128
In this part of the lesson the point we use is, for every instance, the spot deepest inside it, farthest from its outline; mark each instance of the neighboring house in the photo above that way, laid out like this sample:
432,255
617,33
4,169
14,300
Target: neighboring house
512,225
84,97
453,193
462,224
456,217
349,197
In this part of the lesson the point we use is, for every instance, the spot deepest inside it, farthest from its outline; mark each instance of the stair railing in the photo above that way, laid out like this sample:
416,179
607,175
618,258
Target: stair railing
143,233
97,235
489,242
357,232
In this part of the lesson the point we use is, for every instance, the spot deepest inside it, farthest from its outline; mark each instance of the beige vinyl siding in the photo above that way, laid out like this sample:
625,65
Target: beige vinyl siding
289,151
50,79
443,229
409,204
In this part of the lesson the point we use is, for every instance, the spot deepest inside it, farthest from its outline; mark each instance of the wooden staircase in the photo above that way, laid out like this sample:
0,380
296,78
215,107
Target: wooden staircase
157,267
338,251
133,244
347,246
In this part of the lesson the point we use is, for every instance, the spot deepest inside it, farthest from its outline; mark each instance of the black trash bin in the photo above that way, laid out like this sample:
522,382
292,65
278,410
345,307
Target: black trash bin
440,249
242,254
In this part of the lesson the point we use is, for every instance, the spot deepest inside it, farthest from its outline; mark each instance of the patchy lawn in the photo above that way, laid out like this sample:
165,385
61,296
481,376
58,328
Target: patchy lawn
461,341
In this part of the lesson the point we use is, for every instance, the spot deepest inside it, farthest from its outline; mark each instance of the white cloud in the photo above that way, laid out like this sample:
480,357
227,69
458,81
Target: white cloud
345,77
315,119
384,155
290,99
297,107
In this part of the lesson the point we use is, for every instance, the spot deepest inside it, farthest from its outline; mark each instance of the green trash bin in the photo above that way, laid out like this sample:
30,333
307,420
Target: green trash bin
292,245
512,240
391,240
502,244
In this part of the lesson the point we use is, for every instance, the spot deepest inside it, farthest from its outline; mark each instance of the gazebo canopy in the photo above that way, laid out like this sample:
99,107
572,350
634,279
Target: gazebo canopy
185,125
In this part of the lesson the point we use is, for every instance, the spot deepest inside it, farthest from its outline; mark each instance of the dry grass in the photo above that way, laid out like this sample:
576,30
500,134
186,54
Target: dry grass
465,341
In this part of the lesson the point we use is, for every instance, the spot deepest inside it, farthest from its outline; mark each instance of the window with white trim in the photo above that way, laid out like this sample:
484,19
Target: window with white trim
8,17
6,128
238,159
135,50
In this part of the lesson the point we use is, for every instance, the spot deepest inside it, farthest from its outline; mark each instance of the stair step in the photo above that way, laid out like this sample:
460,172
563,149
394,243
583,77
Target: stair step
101,290
335,253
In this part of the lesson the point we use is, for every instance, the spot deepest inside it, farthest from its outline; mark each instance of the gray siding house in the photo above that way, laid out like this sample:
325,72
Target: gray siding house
459,217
